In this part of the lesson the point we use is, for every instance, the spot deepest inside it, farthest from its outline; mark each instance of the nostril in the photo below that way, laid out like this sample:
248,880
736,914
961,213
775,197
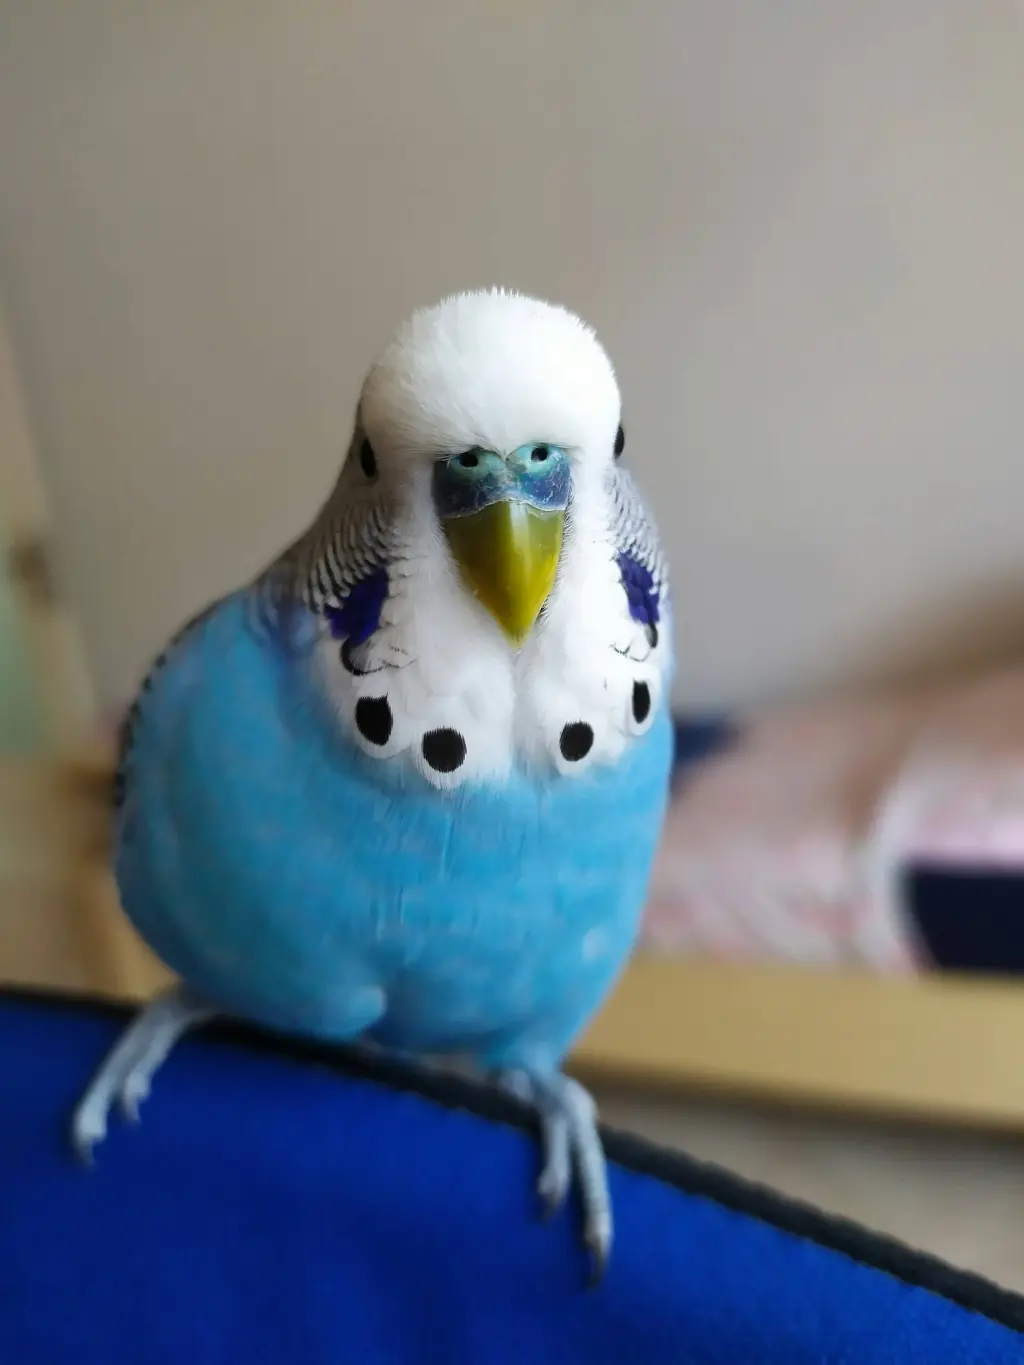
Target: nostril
469,459
539,454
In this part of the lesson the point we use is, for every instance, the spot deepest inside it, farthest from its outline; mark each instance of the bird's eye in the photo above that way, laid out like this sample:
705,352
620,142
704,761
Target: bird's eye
367,460
539,454
469,459
620,442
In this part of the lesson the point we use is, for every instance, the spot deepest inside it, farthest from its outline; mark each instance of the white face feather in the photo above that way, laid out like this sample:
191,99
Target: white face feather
497,371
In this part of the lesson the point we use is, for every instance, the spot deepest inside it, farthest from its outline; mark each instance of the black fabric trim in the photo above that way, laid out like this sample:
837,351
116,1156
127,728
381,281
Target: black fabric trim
916,1268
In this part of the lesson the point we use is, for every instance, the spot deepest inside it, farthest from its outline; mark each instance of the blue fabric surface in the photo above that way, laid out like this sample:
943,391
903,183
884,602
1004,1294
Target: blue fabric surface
273,1209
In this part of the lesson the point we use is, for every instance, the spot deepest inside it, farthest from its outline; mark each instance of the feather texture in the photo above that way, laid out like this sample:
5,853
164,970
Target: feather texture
400,629
291,879
403,652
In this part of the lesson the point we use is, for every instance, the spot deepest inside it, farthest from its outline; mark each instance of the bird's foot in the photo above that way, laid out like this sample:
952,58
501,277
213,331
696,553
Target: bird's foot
571,1145
127,1071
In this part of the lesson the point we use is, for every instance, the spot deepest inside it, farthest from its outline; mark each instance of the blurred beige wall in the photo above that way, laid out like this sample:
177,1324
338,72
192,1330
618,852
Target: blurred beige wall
798,226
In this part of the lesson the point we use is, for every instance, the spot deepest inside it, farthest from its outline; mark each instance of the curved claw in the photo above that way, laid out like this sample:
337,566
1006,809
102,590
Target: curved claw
134,1090
600,1250
88,1127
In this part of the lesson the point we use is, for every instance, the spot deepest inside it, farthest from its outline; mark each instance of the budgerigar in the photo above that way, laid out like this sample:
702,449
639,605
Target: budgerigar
406,786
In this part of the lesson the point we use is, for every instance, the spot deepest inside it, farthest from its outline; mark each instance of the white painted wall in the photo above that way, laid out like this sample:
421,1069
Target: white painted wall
799,227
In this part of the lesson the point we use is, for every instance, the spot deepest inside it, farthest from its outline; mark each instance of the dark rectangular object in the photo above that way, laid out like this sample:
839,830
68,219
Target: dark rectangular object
969,919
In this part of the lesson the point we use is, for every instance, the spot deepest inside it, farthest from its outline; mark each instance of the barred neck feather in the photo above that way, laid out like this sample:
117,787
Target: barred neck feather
419,672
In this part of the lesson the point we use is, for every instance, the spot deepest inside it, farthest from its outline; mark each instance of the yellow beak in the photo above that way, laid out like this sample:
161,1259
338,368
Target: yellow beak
508,555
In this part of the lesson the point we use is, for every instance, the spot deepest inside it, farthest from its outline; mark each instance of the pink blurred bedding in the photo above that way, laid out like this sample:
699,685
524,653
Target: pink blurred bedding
790,844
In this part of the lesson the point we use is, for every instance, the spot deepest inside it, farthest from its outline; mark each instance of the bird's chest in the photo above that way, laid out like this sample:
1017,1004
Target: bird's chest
503,909
502,877
286,877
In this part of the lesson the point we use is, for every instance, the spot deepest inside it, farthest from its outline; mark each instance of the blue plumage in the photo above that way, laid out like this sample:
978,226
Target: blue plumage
358,616
293,880
641,590
369,796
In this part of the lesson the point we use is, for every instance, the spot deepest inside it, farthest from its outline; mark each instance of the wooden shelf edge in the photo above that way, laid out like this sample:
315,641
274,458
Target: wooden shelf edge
929,1047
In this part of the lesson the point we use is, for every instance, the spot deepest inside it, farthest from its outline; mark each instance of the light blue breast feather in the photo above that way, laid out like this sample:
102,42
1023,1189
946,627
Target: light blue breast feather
295,881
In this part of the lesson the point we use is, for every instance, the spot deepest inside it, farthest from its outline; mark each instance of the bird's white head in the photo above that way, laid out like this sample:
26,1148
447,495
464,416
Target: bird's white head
514,404
485,568
492,370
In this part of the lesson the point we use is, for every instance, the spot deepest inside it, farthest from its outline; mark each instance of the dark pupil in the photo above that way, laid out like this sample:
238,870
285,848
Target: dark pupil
540,454
367,460
620,442
469,459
